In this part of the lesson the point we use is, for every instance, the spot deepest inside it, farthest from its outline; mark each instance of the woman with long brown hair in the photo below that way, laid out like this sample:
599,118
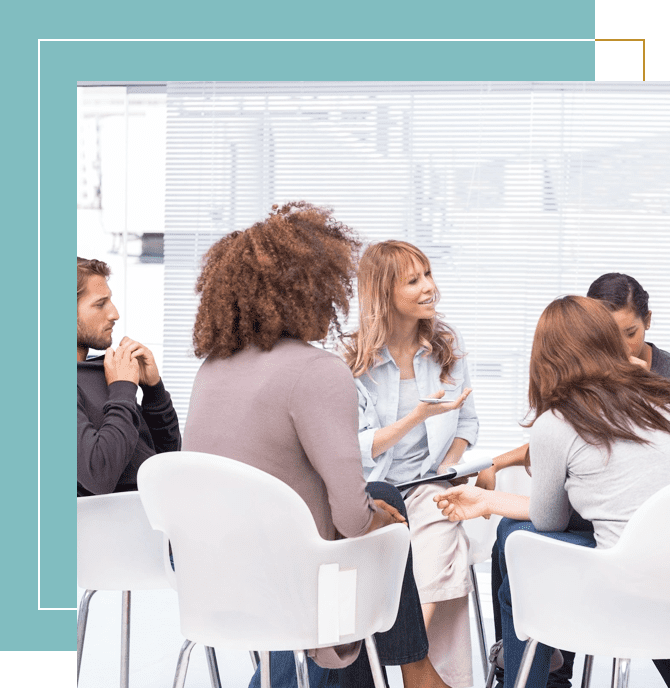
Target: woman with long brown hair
628,302
601,428
268,398
403,352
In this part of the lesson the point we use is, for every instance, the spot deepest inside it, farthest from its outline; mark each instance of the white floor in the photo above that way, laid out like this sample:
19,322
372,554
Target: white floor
156,640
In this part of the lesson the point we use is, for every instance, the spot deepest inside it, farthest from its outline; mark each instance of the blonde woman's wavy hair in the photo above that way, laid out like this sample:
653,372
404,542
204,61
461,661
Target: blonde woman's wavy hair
381,266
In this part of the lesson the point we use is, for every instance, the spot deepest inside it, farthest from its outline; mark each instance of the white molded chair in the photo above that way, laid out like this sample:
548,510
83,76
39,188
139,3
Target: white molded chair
482,534
613,602
118,550
252,570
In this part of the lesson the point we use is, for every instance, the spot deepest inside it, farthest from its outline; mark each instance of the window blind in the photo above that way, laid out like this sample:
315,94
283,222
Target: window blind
517,192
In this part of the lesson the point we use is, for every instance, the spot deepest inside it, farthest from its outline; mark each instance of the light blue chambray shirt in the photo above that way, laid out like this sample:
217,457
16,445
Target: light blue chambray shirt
378,393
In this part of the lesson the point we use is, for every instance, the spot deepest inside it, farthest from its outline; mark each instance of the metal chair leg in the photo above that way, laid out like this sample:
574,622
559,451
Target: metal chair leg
496,650
490,676
620,673
125,638
213,667
301,668
526,663
255,659
588,668
377,672
479,616
265,669
182,664
81,625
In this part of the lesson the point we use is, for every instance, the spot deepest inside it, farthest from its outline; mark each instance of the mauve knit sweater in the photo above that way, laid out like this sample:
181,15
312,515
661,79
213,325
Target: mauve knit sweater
291,412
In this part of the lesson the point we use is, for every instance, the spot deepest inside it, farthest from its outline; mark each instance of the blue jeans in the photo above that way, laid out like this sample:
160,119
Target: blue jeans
561,677
514,647
403,643
283,674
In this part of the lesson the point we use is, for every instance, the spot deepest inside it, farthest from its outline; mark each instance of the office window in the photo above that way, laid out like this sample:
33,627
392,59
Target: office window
518,193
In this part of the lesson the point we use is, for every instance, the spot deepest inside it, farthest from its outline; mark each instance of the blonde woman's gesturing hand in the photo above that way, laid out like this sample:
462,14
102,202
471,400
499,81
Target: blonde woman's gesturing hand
426,409
388,436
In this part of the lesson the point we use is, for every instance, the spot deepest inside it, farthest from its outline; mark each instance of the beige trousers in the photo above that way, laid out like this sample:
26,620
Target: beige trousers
440,552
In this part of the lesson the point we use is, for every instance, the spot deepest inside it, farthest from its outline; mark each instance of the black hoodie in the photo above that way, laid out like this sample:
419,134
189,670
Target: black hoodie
115,435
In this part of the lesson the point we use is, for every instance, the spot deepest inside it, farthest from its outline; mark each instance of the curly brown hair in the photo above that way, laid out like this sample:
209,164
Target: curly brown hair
286,276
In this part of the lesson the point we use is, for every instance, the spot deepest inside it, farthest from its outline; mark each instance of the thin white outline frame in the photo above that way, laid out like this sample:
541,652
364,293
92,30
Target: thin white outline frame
186,40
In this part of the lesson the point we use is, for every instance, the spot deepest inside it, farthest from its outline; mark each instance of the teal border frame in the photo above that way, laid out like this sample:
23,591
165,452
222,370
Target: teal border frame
62,64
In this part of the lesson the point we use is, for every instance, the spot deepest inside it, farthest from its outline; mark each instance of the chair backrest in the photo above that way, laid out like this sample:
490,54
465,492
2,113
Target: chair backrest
613,602
116,547
248,555
643,550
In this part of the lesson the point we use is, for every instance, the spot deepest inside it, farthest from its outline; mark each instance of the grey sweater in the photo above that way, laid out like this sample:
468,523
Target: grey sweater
606,491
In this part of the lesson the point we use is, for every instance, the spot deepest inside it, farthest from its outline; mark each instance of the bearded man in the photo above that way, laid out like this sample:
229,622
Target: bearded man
115,434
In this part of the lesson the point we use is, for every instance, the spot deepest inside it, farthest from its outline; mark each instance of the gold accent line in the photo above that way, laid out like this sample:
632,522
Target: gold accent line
630,39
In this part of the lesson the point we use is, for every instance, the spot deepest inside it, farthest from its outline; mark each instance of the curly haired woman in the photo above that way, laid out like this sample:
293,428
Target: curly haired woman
267,397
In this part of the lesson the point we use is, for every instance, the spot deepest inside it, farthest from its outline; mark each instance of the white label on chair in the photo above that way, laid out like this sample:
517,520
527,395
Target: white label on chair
337,603
328,596
347,596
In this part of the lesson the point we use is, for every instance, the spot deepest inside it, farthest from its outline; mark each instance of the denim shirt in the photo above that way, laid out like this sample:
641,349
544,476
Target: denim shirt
378,392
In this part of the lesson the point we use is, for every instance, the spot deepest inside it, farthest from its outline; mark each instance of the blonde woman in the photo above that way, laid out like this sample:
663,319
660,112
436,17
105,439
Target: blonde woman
403,352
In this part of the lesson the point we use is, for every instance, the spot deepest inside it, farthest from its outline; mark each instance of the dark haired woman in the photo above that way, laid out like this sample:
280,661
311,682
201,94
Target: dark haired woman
629,303
600,420
266,397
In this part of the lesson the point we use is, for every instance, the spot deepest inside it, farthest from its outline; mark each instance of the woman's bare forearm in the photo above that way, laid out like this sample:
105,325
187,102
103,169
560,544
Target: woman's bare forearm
386,437
464,501
455,453
508,505
516,457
